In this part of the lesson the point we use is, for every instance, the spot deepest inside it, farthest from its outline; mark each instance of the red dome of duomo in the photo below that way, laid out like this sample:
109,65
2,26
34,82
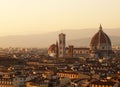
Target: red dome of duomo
100,41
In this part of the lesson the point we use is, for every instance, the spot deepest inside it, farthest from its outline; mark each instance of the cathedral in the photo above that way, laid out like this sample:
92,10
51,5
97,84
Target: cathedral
100,47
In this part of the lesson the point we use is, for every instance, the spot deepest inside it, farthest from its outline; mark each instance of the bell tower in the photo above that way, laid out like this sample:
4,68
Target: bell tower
62,43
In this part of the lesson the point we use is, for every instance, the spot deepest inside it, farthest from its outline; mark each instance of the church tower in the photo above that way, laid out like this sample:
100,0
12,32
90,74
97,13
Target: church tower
62,44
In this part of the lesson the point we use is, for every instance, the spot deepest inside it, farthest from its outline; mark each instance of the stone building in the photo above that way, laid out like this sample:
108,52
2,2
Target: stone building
62,44
100,47
60,50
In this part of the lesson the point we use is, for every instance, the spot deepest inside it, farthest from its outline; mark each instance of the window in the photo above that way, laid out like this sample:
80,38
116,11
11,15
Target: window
103,47
60,41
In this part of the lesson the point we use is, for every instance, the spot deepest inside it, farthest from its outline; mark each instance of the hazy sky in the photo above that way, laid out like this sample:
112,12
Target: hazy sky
40,16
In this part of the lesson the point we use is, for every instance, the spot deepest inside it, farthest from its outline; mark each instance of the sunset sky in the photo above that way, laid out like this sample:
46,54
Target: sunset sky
40,16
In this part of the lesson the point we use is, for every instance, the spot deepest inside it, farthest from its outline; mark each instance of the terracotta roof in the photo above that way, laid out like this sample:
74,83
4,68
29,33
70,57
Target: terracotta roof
52,47
100,38
81,48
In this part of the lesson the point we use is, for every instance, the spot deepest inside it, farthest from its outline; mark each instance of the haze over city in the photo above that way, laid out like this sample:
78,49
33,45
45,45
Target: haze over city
21,17
59,43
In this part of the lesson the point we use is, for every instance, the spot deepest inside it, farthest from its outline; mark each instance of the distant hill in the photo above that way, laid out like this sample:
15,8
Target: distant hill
79,37
86,41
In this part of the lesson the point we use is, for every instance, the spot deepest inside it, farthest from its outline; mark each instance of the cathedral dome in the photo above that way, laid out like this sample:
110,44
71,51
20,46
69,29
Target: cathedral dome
53,50
100,45
52,47
100,38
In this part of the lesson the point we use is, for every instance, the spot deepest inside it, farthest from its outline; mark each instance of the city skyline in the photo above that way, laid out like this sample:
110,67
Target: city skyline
21,17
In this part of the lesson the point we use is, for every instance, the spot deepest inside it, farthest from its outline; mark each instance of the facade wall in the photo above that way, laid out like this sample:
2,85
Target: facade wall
69,75
6,83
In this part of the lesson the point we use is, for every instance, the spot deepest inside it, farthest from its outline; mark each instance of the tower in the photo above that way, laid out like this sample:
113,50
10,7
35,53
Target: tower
62,44
56,49
70,51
